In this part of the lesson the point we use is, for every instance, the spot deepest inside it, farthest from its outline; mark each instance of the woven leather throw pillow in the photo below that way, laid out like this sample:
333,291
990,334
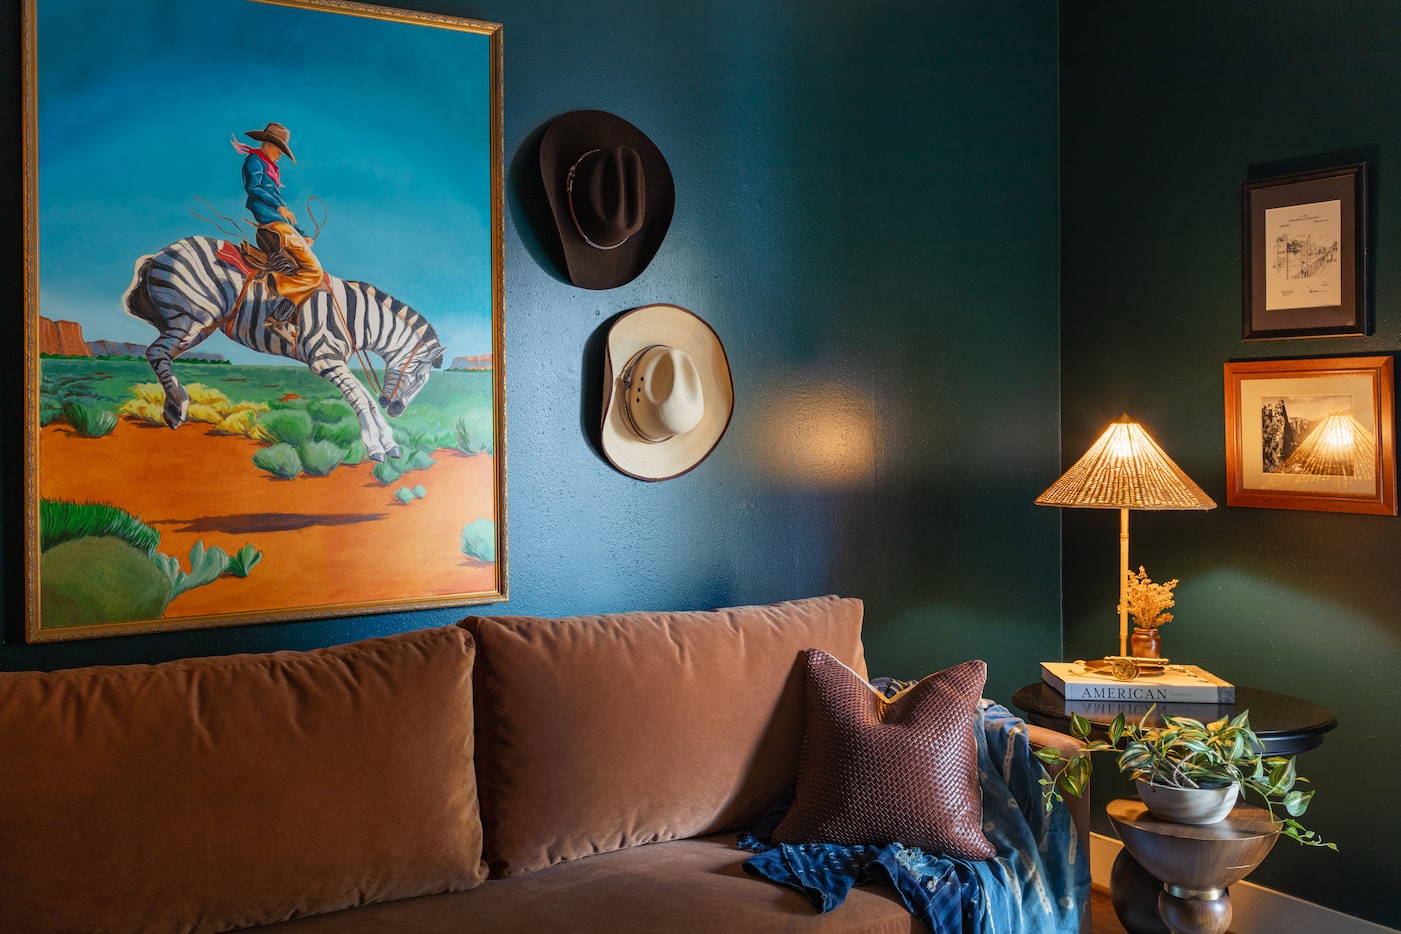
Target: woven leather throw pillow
876,771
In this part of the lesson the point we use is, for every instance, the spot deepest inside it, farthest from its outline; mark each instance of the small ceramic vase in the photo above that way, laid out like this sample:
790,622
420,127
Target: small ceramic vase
1188,805
1146,643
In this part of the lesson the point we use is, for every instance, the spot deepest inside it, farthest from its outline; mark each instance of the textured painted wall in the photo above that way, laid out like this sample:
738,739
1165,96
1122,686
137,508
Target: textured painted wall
866,213
1165,111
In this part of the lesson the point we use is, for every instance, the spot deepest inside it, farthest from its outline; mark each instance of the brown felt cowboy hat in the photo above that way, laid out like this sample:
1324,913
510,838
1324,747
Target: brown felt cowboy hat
611,194
667,394
276,134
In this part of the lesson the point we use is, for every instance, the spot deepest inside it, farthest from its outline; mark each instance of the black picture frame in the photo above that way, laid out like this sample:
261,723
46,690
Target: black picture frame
1305,255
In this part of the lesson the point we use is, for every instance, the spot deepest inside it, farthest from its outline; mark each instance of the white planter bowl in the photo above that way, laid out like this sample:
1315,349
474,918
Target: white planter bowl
1188,805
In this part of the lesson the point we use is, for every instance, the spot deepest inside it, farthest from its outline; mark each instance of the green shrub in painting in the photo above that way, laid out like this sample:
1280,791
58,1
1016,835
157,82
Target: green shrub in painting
206,564
404,495
479,540
90,421
473,435
355,452
287,426
328,411
280,460
319,458
242,562
50,411
385,472
415,460
99,580
343,432
62,521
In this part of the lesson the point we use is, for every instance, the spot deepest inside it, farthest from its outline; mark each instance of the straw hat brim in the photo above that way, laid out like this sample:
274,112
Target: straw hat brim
671,326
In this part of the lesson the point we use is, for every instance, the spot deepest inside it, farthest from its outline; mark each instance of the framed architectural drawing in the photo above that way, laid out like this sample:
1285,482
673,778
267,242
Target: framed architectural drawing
1312,434
1305,255
264,299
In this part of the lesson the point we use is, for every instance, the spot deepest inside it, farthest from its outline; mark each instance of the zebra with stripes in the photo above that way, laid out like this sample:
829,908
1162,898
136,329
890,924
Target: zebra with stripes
189,290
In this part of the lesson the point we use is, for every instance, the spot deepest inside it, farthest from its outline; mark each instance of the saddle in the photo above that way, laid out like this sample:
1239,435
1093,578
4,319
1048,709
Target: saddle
268,256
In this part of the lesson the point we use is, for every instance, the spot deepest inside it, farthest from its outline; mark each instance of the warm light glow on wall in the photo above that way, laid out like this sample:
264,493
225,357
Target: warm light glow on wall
817,433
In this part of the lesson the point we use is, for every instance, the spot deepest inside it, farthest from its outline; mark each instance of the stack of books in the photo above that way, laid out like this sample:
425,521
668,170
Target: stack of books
1090,689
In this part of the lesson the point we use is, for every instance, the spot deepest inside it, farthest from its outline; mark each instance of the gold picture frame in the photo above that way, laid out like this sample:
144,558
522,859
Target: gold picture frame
1313,434
350,459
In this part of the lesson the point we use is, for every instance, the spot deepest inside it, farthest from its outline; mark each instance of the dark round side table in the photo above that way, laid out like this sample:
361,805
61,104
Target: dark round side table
1196,863
1286,725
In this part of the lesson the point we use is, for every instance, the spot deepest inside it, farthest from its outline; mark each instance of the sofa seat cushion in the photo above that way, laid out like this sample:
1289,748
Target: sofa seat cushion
681,887
600,732
213,793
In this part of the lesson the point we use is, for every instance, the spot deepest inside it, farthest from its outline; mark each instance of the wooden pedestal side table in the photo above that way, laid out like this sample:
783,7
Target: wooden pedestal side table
1195,863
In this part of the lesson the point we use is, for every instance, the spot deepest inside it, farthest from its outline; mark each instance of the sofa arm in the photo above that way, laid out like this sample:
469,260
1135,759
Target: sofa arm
1040,738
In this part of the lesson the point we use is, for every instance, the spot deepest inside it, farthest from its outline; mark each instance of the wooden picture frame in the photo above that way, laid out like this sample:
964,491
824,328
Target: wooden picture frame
1305,255
349,459
1315,434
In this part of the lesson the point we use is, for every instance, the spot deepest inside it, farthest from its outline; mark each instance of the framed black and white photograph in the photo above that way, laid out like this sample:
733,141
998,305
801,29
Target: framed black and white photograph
1305,255
1312,434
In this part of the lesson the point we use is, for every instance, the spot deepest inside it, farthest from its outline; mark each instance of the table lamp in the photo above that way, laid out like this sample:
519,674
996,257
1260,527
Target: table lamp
1125,469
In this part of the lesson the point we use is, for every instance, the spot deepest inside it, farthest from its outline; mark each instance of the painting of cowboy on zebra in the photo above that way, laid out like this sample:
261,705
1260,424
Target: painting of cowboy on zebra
274,297
287,407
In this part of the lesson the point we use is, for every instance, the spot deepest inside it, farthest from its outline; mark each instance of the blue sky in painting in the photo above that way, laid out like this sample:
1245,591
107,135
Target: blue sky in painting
390,123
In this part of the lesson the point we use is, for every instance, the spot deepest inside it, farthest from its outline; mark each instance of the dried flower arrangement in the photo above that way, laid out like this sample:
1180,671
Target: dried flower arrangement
1148,603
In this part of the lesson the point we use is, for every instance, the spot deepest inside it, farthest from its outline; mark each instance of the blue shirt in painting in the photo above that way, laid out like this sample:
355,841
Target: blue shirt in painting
261,183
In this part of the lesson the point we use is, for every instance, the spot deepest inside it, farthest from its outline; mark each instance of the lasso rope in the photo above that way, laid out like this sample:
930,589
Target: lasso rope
237,230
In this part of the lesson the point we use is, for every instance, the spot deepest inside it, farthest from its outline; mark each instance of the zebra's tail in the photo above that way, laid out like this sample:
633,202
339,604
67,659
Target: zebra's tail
136,300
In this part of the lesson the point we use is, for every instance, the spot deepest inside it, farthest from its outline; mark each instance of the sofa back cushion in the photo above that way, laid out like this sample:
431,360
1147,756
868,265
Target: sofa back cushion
596,733
213,793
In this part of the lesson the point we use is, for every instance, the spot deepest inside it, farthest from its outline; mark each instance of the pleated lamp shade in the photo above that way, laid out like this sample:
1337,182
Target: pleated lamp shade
1125,469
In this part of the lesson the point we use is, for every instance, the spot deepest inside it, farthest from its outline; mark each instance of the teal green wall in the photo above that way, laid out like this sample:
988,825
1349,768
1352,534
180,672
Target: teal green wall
1166,109
866,211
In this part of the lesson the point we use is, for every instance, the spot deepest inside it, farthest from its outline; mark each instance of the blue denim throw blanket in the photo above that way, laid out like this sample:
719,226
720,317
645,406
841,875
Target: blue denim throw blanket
1034,885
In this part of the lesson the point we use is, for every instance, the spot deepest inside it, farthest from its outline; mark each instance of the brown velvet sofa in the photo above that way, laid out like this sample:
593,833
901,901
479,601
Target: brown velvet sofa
507,775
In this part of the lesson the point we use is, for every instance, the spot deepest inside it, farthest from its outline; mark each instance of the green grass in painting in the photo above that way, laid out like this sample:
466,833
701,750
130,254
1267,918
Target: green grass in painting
61,521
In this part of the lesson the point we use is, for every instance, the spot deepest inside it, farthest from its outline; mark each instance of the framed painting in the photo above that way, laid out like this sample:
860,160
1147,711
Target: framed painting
264,299
1312,434
1305,255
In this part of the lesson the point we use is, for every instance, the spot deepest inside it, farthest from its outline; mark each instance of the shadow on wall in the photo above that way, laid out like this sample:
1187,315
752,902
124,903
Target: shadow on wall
530,209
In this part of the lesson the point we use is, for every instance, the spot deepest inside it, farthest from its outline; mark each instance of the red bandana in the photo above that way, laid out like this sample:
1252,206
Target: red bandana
273,172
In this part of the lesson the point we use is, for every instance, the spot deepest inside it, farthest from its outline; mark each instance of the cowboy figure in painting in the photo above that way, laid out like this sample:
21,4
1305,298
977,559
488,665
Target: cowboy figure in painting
284,248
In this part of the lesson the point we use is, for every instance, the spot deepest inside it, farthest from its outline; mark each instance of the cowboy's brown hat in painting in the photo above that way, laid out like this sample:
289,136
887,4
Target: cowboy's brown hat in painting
276,134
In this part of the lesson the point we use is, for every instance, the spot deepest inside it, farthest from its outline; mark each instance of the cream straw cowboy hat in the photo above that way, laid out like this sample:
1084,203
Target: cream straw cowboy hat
667,395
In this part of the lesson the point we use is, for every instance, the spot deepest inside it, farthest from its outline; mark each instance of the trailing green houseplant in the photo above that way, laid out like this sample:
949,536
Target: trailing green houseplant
1187,753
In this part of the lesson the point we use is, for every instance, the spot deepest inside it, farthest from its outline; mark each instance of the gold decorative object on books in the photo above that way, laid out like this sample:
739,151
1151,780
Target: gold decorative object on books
1125,469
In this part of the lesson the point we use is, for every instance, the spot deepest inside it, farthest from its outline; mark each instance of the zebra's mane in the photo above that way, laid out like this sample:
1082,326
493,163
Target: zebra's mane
397,307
